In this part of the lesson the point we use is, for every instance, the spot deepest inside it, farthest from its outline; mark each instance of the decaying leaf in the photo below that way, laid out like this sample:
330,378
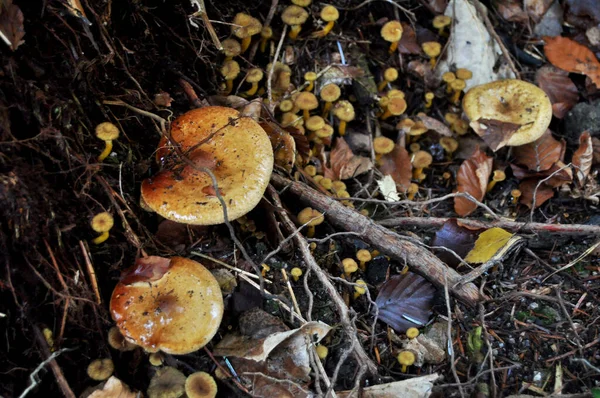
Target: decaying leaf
408,42
541,154
487,245
284,145
416,387
559,88
472,177
405,301
397,165
573,57
529,192
434,124
455,237
113,388
596,150
537,8
582,158
163,99
495,133
387,187
12,30
512,11
345,164
557,175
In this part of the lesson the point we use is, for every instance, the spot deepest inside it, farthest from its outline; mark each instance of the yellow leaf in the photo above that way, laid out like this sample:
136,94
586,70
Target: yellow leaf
487,245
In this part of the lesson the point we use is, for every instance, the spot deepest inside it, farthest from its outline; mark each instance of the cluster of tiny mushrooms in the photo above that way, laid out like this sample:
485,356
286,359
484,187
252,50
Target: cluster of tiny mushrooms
175,305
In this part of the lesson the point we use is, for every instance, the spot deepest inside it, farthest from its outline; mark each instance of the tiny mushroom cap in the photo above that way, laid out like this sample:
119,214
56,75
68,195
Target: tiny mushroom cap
101,369
390,74
392,32
107,131
383,145
254,75
363,255
231,48
294,16
306,101
432,48
421,159
322,351
310,216
395,93
349,265
449,144
429,96
302,3
102,222
239,154
337,186
156,358
511,101
412,333
451,117
329,13
344,111
325,131
460,127
330,92
286,105
418,128
360,288
173,305
266,32
244,27
314,123
296,273
325,182
230,70
464,74
458,84
117,341
397,106
200,385
498,175
406,358
441,21
448,77
310,76
167,382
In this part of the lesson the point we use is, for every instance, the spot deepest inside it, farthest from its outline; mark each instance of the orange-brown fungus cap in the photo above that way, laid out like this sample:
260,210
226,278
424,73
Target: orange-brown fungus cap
421,159
441,21
397,106
245,25
200,385
432,48
383,145
107,131
314,123
344,111
231,47
392,31
390,74
329,13
294,15
448,77
237,151
449,144
310,216
464,74
172,305
306,100
254,75
511,101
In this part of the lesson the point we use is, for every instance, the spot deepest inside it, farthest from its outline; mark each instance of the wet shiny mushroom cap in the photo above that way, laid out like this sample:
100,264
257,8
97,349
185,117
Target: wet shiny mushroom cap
234,148
172,305
511,101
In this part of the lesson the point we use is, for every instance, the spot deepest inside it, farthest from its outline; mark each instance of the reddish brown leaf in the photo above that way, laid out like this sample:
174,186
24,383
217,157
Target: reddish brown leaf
582,158
541,154
560,89
537,8
455,237
408,42
495,133
11,25
435,125
397,164
511,11
528,191
573,57
558,174
163,99
596,150
472,178
345,164
405,301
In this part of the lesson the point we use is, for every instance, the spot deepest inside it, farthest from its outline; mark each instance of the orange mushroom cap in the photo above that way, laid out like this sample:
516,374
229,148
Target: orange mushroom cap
172,305
237,151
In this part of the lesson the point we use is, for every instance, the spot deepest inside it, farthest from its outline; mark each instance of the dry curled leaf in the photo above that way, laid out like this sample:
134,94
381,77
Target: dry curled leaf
455,237
11,25
397,165
512,11
573,57
495,133
113,388
595,150
435,125
405,301
537,8
472,178
559,88
408,42
284,145
345,164
557,175
529,189
582,158
541,154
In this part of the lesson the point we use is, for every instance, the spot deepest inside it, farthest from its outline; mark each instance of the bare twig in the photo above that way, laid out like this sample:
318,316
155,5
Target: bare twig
91,272
450,347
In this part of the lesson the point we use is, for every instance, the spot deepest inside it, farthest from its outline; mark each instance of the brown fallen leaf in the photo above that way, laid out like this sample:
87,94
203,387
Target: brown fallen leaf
408,42
536,8
455,237
512,11
495,133
596,150
582,158
541,154
344,163
113,388
472,177
559,174
284,145
573,57
434,124
11,25
397,164
559,87
528,191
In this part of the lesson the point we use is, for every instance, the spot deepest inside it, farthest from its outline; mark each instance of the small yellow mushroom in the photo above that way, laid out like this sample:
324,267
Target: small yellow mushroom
310,77
360,288
363,256
440,22
412,333
457,86
265,34
432,49
329,14
344,111
329,94
350,267
429,96
230,70
311,218
107,132
412,190
406,358
254,77
498,176
322,351
516,194
102,223
296,273
392,33
389,75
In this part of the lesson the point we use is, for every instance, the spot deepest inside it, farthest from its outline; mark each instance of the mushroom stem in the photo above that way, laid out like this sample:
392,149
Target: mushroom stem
393,46
101,239
382,85
456,96
294,31
342,128
417,173
107,150
404,368
326,109
263,44
311,231
306,114
325,31
311,85
228,86
516,194
490,185
252,89
431,61
385,114
245,43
